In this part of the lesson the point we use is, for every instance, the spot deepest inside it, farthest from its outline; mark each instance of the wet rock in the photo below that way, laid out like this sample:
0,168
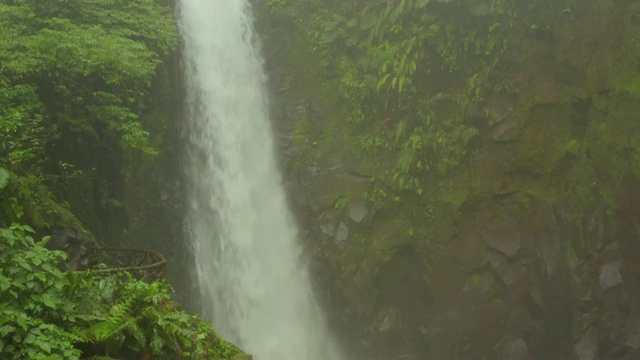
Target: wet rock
387,320
342,233
504,236
508,270
587,347
516,350
550,251
545,90
328,228
482,282
600,232
308,177
511,272
582,321
633,334
298,196
610,275
585,302
496,259
508,129
536,303
501,106
405,357
76,243
297,111
487,283
357,210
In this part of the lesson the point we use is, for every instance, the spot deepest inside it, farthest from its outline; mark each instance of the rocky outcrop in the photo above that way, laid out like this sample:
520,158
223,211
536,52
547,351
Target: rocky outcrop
530,251
76,243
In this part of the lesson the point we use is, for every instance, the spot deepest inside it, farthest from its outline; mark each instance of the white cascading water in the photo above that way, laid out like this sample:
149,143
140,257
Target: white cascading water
252,282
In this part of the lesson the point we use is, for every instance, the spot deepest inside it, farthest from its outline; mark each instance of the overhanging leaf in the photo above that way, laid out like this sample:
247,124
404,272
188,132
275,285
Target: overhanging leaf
4,177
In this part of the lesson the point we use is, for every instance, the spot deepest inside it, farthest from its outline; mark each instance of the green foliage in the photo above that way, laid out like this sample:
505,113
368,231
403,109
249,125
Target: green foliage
136,319
632,87
608,153
475,280
75,78
85,74
45,314
4,177
387,59
22,135
27,197
412,79
33,303
574,147
342,202
276,6
143,21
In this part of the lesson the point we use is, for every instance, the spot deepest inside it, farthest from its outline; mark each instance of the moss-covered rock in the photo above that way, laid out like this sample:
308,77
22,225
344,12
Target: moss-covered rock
500,254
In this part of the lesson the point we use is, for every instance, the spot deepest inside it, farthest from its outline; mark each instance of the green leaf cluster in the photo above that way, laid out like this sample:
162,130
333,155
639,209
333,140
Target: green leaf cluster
75,83
387,60
48,314
414,76
134,319
34,305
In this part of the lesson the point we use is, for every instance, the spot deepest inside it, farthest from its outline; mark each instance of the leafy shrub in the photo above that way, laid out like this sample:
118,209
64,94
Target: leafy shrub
132,318
75,87
33,304
46,314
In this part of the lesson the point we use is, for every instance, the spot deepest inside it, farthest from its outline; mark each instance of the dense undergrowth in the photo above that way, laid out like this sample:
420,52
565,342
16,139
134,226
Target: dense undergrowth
433,118
76,102
416,88
83,102
412,77
49,314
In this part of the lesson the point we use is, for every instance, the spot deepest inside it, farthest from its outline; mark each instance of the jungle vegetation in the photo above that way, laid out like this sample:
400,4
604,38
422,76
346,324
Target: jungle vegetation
80,84
416,84
413,85
439,114
75,87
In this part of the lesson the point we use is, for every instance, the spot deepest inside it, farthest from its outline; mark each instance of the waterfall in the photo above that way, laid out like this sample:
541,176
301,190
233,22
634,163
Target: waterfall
252,281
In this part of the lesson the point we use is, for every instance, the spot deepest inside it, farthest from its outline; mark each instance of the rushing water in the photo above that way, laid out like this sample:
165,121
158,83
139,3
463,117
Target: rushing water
252,282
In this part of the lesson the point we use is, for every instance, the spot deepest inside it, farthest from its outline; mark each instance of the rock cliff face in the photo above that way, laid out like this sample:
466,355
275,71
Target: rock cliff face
531,250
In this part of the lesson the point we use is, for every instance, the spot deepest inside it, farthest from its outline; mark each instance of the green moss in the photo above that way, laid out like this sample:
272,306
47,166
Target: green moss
475,280
427,147
242,356
573,147
571,254
631,87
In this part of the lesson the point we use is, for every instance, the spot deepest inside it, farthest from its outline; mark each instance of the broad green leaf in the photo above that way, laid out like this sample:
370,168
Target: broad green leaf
46,347
156,343
4,177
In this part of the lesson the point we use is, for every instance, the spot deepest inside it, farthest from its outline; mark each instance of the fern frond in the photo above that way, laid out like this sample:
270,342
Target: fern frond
138,333
118,319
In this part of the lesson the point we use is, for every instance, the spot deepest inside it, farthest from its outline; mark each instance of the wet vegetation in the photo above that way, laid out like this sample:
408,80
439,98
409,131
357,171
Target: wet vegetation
489,146
82,88
468,171
77,104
